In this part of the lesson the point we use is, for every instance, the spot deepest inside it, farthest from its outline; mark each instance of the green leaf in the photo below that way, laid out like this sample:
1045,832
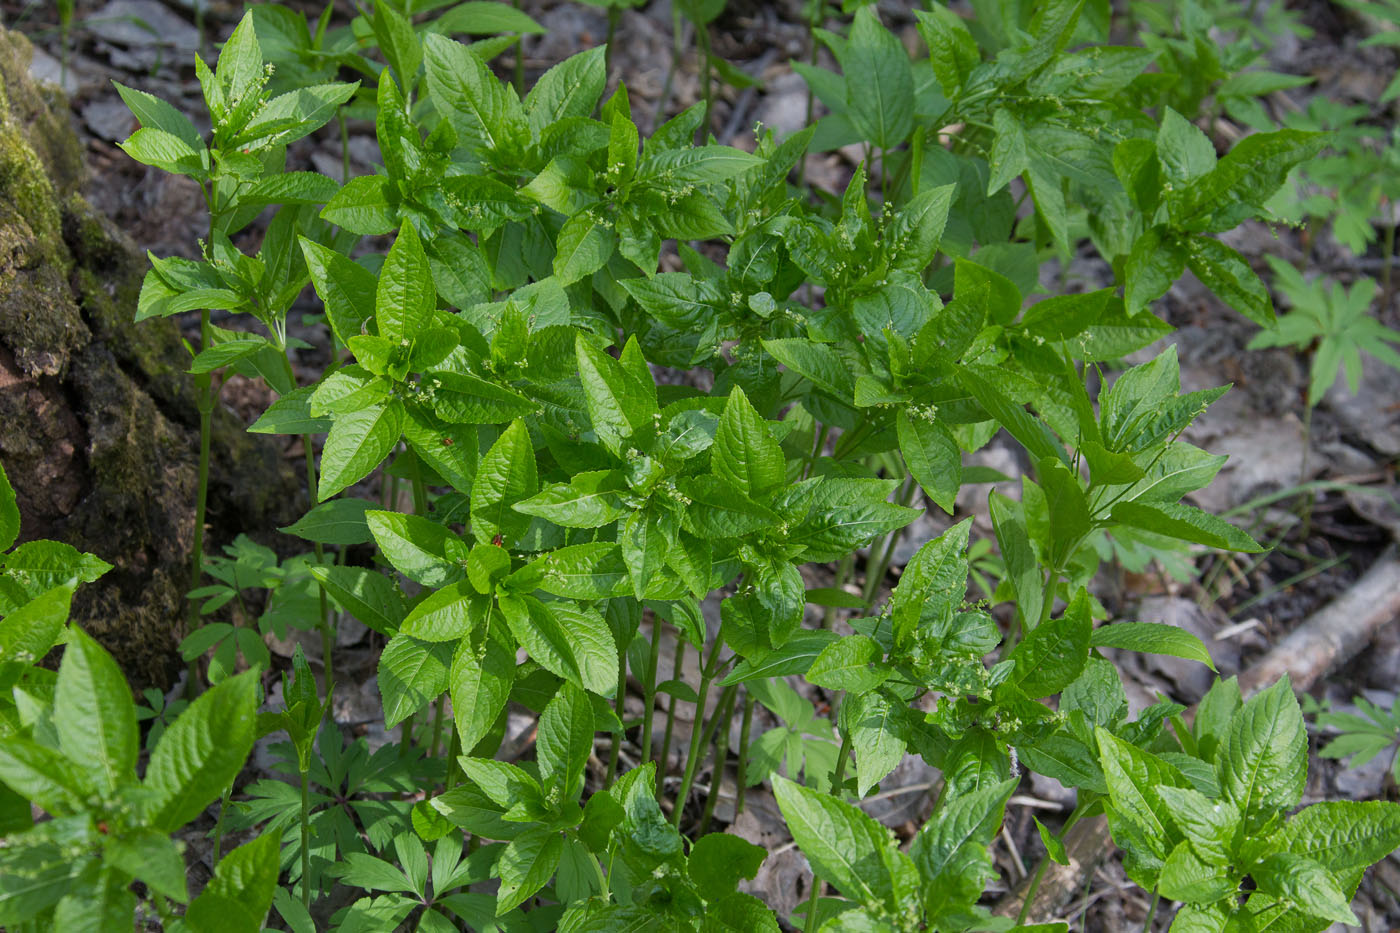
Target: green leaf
405,298
480,681
358,442
9,512
1185,877
339,521
569,89
151,857
1133,777
951,848
565,740
461,398
932,456
199,755
1186,523
817,362
237,898
411,675
1009,156
157,114
93,712
619,403
367,595
879,82
845,665
447,614
1152,638
918,228
576,644
718,860
745,455
1225,272
1185,152
1018,553
1053,846
1019,423
464,91
484,18
526,865
588,500
843,845
1263,762
1244,179
1155,262
506,475
43,776
1053,654
1305,884
1344,835
953,51
167,152
584,246
422,550
367,205
874,724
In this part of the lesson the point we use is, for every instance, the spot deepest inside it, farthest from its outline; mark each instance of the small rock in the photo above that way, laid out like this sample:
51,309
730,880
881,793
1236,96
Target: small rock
1371,413
109,118
784,106
142,24
44,67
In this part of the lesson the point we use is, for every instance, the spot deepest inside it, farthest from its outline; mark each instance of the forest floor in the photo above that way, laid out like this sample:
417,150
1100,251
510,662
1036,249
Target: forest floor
1323,540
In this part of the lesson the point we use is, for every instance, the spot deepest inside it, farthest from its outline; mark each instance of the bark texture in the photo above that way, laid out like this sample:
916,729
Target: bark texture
98,428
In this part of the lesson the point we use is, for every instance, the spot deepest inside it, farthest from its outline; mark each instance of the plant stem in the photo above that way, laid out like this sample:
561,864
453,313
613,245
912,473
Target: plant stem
741,778
614,16
844,567
677,44
702,42
204,401
306,839
836,776
406,736
454,749
312,495
697,731
344,149
437,726
219,821
1044,863
615,751
1389,260
722,717
649,691
665,759
1151,911
519,77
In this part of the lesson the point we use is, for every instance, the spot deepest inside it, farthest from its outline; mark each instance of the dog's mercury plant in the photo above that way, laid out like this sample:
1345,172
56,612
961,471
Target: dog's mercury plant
501,358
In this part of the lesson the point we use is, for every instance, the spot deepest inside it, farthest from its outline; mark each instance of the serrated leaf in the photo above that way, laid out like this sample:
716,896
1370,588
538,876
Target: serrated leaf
1152,638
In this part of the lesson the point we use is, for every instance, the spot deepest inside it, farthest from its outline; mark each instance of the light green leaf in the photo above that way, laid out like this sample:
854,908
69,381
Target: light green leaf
1152,638
94,714
358,442
745,455
202,752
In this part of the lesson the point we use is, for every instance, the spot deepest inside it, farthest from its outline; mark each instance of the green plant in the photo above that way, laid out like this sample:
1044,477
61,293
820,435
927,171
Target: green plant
1363,735
1333,321
502,359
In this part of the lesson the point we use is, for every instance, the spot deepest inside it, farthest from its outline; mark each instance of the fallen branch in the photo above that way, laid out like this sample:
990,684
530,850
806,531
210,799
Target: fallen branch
1329,638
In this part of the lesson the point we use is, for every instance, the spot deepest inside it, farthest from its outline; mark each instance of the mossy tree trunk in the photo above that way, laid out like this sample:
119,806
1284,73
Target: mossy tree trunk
98,427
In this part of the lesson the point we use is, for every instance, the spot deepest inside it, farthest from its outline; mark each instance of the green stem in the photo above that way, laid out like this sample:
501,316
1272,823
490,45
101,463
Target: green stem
312,495
844,568
649,692
306,839
616,750
665,758
702,41
519,77
836,777
437,726
722,717
219,821
677,42
406,737
204,401
816,12
697,731
1389,261
1151,911
614,16
344,148
454,750
741,778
